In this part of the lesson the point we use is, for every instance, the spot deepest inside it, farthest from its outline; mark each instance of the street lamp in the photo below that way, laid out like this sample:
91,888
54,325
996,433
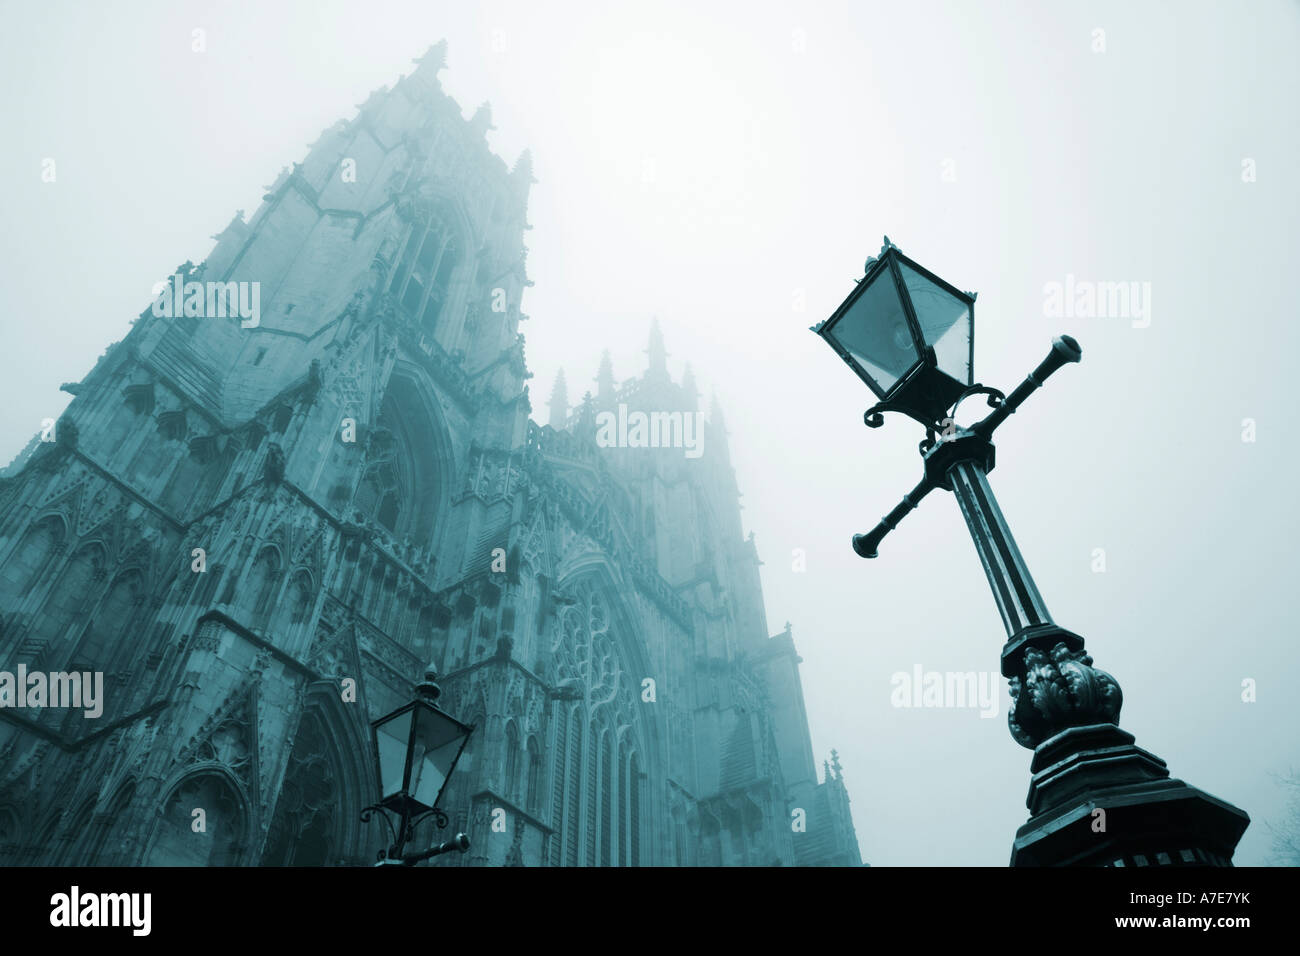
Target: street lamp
1095,797
417,746
908,335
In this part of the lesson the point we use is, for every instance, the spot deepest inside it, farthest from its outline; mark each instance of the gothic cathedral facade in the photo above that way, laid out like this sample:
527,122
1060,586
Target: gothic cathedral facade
262,534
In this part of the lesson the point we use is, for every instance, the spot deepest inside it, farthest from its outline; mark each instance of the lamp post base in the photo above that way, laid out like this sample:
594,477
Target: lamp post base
1096,799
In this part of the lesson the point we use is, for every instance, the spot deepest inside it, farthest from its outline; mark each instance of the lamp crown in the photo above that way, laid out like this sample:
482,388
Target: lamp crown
428,689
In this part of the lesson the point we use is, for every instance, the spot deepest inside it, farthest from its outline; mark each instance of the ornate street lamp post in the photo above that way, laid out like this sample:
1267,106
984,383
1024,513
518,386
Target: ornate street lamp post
417,746
1095,798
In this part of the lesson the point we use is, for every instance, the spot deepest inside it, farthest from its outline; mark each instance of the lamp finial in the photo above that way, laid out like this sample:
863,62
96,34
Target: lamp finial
428,689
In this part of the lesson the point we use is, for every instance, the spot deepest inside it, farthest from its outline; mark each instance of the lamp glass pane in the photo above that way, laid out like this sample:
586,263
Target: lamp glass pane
945,322
437,742
875,333
393,736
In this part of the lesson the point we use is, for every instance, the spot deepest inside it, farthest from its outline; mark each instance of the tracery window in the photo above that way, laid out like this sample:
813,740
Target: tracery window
265,580
28,558
304,830
512,761
607,784
400,477
176,843
109,629
423,280
98,647
533,794
594,803
67,597
559,779
301,598
385,485
573,799
630,809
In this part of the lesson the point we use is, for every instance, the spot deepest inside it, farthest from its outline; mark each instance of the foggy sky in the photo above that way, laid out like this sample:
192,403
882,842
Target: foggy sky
727,168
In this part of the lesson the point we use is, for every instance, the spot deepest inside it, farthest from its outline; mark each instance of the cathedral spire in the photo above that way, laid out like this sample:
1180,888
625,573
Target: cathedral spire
605,378
433,62
689,391
718,428
521,181
587,413
559,404
523,169
481,121
657,366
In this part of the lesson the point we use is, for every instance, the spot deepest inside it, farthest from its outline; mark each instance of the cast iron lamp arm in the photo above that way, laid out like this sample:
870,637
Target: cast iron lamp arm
1064,349
866,544
459,844
972,443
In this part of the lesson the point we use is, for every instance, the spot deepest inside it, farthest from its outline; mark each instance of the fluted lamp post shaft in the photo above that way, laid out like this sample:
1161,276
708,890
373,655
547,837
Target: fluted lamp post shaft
1014,590
1095,797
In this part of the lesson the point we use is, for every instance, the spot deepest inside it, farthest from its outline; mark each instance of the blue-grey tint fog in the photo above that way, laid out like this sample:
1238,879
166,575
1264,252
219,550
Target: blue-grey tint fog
727,168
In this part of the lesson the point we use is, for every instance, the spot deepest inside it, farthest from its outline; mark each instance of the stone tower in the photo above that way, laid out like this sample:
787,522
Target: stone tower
261,526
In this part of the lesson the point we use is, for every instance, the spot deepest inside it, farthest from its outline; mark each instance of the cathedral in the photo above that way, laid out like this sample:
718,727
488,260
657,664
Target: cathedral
263,525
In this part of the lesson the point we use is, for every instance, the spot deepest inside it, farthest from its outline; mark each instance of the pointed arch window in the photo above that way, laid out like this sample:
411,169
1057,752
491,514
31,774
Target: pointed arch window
265,580
512,761
399,487
305,830
220,843
591,803
101,645
302,595
22,567
607,835
573,803
558,778
633,804
386,482
602,796
533,792
67,598
423,279
229,592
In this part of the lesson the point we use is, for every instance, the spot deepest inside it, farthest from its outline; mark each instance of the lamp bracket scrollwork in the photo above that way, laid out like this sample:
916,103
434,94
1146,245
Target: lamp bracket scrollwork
440,819
873,417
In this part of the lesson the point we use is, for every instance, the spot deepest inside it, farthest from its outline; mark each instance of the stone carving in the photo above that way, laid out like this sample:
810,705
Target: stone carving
273,471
